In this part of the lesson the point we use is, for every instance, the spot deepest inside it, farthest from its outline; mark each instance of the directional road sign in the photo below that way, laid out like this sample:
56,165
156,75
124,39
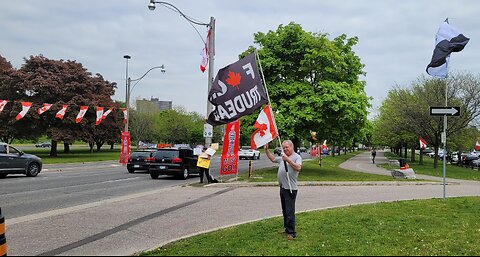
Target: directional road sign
440,111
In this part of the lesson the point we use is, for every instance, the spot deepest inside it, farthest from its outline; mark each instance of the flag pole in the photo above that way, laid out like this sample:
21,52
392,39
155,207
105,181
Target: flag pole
264,84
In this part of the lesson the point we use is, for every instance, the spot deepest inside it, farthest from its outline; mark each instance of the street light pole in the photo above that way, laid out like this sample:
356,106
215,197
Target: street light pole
127,91
211,47
211,61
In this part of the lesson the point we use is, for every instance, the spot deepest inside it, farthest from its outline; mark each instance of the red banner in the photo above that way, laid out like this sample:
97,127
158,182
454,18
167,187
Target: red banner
230,149
125,155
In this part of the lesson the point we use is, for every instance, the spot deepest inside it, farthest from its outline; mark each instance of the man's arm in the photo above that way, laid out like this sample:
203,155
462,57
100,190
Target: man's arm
297,167
269,154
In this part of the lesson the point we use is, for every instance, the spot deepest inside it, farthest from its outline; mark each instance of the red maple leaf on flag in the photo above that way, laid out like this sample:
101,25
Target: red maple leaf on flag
234,79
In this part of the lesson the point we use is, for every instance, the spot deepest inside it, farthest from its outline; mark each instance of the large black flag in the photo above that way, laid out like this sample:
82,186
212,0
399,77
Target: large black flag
236,91
448,40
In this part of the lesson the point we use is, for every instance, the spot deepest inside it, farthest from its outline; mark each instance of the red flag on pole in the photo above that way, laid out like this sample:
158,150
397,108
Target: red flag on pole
125,155
230,149
125,113
477,146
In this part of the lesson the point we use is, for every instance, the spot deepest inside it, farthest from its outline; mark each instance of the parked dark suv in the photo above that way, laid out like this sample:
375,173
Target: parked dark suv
139,160
179,162
13,161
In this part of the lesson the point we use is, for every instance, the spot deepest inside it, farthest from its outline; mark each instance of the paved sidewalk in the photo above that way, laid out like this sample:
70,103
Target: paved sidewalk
127,225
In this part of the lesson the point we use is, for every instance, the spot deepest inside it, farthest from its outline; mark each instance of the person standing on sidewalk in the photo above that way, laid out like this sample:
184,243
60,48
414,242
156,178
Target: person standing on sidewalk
203,165
290,165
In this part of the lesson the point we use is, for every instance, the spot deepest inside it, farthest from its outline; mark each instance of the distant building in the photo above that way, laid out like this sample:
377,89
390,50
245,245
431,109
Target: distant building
145,105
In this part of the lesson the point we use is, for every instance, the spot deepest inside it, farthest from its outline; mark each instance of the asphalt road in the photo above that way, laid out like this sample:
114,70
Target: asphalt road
67,185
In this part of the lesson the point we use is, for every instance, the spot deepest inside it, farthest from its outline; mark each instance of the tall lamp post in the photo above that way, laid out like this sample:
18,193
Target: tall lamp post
211,46
130,89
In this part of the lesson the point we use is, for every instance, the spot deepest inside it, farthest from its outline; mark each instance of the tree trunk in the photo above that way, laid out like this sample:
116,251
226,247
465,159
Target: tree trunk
91,147
421,157
406,151
66,148
53,149
413,154
112,146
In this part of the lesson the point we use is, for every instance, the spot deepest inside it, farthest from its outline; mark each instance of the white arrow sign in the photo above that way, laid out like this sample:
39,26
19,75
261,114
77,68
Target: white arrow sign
451,111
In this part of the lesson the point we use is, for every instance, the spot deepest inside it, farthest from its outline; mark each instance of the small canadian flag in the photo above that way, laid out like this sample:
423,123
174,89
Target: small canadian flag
99,115
43,109
324,145
105,114
125,114
266,129
62,112
83,110
423,143
25,107
3,103
477,146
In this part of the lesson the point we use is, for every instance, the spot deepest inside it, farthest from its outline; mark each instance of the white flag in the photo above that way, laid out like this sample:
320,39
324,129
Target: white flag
205,51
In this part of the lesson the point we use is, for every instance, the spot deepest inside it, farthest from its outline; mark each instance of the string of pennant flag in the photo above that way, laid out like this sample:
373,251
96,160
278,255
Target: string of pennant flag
102,112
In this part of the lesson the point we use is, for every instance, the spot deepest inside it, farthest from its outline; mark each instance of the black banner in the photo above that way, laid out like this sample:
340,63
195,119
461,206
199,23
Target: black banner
237,91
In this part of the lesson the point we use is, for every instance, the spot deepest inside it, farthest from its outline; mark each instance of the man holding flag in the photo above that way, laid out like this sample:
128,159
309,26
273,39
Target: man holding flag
288,170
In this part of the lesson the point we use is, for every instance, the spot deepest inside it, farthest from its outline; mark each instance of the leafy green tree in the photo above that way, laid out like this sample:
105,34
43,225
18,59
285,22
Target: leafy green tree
313,84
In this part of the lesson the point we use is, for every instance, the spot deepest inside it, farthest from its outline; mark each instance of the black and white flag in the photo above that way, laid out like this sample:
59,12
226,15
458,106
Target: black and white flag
448,40
237,91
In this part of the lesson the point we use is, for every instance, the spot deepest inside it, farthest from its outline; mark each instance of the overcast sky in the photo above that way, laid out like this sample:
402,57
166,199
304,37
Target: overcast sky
396,38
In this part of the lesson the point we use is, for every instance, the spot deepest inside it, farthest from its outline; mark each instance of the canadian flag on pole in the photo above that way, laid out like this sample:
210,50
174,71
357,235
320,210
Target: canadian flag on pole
477,146
43,109
83,110
203,65
266,129
61,114
423,143
25,107
99,115
3,103
125,113
105,114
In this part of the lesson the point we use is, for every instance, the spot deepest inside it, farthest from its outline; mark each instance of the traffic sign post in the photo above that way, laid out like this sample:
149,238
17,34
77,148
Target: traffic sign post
448,111
445,111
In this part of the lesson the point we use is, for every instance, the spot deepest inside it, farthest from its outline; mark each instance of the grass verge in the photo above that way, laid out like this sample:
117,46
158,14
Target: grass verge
408,228
76,156
427,168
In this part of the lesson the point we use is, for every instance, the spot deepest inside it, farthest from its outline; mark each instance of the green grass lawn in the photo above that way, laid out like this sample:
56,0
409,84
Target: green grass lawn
311,171
410,228
453,171
77,155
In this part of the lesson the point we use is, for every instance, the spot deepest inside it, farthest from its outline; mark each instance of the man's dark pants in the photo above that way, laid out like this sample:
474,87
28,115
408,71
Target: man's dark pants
288,209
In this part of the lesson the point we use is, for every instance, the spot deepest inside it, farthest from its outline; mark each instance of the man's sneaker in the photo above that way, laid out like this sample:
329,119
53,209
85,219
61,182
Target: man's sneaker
290,237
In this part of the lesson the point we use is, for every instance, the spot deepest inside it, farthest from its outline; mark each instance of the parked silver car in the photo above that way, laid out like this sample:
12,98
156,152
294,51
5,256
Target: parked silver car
14,161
